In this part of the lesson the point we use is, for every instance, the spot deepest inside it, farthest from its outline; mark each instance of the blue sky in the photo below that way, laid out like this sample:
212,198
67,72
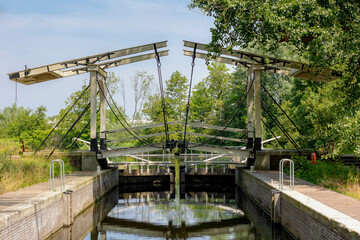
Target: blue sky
40,32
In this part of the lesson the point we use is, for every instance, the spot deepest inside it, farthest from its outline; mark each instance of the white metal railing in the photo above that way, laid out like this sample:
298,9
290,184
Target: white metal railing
52,174
281,173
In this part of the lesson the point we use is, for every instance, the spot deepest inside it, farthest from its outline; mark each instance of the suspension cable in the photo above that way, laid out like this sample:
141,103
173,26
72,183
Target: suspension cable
63,117
279,125
272,133
188,101
122,124
112,99
72,126
122,116
241,102
157,57
288,117
82,131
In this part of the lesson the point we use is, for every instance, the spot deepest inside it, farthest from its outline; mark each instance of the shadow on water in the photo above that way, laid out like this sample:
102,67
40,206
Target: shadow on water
183,212
262,226
85,223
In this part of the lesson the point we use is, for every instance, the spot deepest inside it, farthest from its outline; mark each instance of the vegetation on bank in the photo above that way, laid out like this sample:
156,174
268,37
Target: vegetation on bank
329,174
17,171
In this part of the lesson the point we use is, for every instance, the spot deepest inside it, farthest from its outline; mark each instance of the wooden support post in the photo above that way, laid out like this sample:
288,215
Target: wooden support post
257,89
250,109
93,91
102,86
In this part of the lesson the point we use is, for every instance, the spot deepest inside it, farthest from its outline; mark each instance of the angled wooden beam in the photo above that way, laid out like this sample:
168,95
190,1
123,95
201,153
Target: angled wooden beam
236,62
300,70
115,63
55,71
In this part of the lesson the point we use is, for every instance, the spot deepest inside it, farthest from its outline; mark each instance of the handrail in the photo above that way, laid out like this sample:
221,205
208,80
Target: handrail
281,173
52,174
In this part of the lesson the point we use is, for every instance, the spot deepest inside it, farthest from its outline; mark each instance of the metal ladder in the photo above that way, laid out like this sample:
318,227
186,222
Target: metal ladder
281,173
52,174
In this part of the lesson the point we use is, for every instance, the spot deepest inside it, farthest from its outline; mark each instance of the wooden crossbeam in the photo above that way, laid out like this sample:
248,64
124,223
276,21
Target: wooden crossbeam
297,69
220,128
139,127
139,137
79,65
216,137
196,125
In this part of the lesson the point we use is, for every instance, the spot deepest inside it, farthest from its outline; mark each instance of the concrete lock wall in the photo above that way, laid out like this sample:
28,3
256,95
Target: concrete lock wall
48,212
298,218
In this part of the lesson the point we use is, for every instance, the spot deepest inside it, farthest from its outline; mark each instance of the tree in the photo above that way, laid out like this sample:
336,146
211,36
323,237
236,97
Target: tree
141,84
177,95
325,32
21,123
112,120
209,94
321,33
175,103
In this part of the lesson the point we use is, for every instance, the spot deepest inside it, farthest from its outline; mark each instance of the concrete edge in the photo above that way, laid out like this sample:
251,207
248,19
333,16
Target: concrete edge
42,200
19,211
317,210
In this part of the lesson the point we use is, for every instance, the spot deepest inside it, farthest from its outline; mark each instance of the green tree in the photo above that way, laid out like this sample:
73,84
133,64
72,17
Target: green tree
209,94
21,123
177,95
79,107
321,33
175,101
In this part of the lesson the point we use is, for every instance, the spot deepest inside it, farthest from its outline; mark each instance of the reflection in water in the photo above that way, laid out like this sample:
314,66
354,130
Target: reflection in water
179,213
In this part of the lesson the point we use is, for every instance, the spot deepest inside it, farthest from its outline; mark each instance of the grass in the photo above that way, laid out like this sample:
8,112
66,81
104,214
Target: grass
329,174
17,171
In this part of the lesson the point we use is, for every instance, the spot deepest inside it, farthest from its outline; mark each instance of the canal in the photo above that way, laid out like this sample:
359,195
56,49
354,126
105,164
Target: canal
169,211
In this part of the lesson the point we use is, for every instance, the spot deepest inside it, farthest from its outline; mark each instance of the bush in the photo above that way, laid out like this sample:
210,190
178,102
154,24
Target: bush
329,174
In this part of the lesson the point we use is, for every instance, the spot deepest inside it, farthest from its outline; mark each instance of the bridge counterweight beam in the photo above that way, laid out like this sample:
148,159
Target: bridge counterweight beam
257,89
93,91
250,109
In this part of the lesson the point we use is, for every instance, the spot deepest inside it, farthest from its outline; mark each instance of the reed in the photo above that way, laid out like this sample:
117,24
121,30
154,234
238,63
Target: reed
17,171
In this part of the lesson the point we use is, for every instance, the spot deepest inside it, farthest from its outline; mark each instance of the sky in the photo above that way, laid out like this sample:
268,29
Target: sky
40,32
